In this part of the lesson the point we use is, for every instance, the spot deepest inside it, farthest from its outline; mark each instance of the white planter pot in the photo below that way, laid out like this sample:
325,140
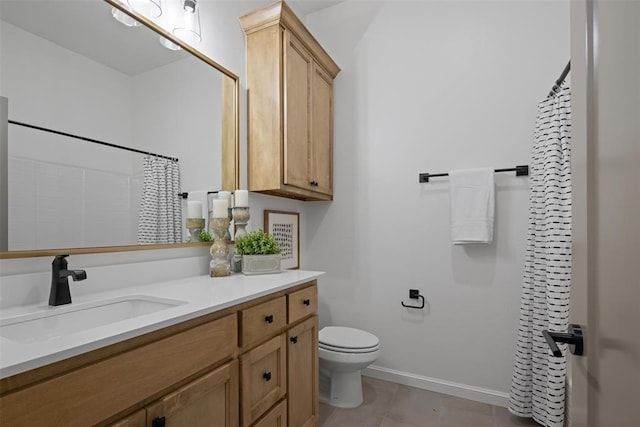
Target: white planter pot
260,264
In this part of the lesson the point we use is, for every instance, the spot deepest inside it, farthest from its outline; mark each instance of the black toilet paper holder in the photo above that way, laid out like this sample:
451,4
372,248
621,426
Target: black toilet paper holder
414,294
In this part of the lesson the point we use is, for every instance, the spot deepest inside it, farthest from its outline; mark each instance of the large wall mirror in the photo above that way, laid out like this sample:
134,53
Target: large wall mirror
72,77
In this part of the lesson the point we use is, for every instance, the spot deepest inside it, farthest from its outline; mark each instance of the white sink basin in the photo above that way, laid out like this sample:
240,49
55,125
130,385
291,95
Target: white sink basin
64,320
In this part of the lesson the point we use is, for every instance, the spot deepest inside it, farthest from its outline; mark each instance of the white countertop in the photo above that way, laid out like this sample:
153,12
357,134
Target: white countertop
201,295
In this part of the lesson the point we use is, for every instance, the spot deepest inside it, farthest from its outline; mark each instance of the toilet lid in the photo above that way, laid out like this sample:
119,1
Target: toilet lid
340,337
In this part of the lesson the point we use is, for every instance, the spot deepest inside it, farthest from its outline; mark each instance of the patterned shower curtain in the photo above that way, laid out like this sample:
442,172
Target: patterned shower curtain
538,383
160,219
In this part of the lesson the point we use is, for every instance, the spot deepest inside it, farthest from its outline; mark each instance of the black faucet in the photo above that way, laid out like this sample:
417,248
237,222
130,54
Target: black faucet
60,294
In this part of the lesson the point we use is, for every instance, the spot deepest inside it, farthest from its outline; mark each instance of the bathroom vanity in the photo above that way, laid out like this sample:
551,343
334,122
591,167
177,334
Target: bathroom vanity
235,351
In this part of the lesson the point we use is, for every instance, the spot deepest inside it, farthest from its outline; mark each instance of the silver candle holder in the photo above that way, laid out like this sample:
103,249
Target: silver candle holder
219,265
241,218
195,226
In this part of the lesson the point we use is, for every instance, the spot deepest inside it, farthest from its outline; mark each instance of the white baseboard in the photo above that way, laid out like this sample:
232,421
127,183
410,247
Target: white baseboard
478,394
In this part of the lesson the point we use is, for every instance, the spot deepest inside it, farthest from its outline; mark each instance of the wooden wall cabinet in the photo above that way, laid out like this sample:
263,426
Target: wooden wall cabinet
290,106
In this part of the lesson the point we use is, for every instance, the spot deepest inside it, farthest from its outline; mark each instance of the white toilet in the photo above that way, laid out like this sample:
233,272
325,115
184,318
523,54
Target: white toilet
343,353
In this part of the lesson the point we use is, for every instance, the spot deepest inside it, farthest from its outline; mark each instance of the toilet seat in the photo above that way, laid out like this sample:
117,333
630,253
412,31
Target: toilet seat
348,350
347,340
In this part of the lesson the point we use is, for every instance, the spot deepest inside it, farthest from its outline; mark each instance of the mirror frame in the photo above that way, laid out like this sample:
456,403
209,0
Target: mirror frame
230,148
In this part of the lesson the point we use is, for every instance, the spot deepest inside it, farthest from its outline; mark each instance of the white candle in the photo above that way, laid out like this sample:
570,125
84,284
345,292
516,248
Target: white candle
242,198
225,195
194,209
220,209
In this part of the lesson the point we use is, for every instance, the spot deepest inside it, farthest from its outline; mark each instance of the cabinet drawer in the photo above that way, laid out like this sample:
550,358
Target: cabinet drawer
263,378
95,392
276,417
261,321
302,303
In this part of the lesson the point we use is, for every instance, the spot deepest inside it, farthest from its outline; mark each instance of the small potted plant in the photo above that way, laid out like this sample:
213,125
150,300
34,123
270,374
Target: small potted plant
260,253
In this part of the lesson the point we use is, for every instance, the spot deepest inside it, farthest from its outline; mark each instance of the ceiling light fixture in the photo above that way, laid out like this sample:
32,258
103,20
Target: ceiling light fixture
187,25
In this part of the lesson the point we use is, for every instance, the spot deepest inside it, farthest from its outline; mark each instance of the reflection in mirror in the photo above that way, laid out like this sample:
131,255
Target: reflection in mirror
70,67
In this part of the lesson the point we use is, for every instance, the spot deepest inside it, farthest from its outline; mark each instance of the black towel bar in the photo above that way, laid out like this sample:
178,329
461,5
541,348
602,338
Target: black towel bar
522,170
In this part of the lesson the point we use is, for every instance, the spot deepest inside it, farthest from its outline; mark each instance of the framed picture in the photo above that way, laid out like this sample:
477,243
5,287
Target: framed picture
285,227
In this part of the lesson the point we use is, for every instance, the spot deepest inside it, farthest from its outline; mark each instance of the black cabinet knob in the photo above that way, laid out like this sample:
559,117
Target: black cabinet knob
267,376
294,340
306,302
314,183
269,318
158,422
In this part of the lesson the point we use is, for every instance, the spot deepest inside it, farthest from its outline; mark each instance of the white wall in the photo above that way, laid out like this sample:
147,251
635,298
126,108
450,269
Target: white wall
38,75
430,87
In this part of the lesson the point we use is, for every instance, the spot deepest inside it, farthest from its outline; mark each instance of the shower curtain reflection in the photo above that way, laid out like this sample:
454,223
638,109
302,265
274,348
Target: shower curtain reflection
161,208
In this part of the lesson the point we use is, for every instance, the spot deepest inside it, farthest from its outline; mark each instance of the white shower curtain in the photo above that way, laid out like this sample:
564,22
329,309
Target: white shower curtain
161,209
538,384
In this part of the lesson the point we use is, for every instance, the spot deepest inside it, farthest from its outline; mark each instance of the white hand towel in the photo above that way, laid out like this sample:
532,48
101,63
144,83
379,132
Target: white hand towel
472,197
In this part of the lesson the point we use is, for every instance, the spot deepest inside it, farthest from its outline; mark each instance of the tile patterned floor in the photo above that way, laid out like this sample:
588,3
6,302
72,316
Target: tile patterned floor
393,405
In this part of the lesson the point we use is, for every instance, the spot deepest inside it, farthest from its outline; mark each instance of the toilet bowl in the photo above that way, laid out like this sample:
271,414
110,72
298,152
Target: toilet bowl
343,353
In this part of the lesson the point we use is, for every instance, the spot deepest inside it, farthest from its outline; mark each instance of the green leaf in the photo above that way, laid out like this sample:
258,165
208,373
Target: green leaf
257,243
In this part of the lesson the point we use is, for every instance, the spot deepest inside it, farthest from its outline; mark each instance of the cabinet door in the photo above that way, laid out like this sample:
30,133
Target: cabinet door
321,138
297,86
302,375
209,401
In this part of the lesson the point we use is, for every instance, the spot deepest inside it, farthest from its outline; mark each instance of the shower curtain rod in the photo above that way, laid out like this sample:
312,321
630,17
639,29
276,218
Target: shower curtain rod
185,194
522,170
556,87
95,141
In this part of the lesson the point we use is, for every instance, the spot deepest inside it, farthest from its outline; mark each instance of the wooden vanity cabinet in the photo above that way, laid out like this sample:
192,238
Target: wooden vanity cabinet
290,106
251,365
97,386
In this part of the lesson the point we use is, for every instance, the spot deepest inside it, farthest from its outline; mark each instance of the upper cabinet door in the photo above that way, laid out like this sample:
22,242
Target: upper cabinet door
321,143
298,67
